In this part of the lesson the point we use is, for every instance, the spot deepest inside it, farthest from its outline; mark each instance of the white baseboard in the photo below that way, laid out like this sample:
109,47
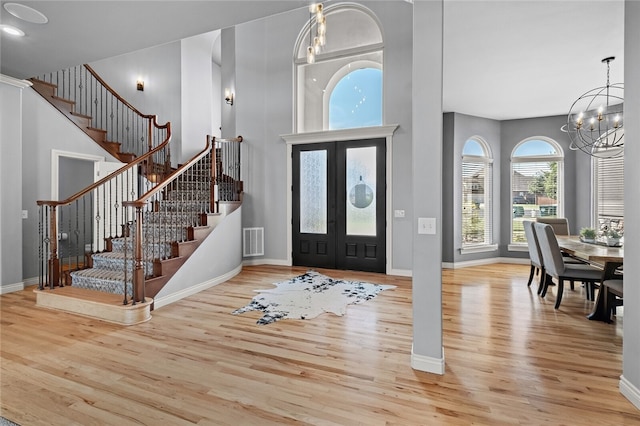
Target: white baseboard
427,363
31,281
488,261
631,392
401,272
10,288
261,261
163,301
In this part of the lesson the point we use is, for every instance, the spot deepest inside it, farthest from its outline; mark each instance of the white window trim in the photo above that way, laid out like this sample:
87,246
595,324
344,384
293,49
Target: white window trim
479,248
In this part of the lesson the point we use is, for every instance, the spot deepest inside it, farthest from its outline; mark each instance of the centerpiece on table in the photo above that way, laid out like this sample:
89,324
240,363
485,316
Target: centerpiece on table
588,235
612,237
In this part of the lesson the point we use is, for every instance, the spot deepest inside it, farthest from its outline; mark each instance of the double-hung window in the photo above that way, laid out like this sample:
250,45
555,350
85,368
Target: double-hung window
536,183
477,200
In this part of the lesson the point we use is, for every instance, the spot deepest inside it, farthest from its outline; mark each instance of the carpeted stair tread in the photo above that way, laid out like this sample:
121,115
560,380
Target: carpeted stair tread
101,280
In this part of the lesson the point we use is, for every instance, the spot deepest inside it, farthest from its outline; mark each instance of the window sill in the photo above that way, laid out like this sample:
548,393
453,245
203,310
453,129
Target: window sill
479,249
518,247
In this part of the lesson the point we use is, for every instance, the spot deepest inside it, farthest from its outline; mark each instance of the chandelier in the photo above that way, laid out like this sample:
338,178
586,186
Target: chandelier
316,43
594,123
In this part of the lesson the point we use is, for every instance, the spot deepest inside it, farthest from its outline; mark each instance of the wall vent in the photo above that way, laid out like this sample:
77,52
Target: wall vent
252,242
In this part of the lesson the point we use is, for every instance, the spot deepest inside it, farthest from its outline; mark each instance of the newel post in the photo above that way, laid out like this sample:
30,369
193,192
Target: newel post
138,272
53,263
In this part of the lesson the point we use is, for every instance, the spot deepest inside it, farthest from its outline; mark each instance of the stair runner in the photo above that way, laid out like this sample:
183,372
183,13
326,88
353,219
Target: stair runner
177,213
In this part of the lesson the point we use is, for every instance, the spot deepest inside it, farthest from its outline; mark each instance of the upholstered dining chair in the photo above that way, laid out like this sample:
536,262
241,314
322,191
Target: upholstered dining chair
613,294
556,267
560,225
535,256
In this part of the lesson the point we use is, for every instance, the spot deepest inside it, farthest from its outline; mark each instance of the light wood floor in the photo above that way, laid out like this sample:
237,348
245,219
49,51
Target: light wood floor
510,359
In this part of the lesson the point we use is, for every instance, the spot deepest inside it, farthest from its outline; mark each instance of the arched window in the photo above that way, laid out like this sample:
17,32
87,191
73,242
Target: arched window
324,90
536,183
356,101
477,199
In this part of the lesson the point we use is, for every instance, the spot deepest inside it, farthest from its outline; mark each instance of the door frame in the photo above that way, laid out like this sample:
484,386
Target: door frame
385,132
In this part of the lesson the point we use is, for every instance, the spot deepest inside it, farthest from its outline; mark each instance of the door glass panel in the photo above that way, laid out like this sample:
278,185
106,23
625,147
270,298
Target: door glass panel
361,191
313,192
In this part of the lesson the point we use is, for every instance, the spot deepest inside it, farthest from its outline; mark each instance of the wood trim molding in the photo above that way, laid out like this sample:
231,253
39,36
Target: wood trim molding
11,81
340,135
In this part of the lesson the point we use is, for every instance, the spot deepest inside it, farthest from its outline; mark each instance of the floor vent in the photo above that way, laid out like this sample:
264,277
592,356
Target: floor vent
252,242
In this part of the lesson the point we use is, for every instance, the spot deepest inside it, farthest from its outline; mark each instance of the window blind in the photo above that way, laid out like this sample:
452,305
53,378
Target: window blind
477,218
609,188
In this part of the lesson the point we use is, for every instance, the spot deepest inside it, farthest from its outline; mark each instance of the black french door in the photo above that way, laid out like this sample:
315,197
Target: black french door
339,191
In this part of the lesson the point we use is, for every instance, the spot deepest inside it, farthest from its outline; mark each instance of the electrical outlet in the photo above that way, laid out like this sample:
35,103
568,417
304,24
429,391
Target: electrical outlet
398,213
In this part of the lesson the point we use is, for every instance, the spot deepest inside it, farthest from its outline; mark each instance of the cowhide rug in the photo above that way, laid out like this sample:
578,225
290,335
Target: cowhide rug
308,295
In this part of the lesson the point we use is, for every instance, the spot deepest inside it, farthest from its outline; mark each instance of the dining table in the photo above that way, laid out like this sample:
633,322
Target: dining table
598,254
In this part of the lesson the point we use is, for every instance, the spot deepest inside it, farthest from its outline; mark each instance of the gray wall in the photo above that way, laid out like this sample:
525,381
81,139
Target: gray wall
44,129
228,82
458,128
11,179
264,111
426,163
630,382
197,93
160,68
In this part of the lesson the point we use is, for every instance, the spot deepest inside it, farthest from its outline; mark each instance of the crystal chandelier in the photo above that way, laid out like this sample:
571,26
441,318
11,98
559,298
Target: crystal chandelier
594,123
316,43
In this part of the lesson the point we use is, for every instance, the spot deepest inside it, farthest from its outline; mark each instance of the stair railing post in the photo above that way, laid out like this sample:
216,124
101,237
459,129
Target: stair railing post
138,272
54,264
212,172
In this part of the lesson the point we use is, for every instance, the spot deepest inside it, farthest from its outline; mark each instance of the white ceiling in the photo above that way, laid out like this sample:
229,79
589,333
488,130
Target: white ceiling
502,59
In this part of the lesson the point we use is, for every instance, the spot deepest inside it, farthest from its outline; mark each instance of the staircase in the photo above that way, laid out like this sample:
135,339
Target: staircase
127,234
89,102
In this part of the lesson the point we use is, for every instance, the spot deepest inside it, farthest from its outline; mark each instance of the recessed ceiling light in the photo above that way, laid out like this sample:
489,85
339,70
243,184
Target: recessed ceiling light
26,13
11,30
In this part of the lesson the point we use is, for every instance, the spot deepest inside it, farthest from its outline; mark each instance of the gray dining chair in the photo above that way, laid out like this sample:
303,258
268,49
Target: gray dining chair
560,225
556,267
535,256
613,294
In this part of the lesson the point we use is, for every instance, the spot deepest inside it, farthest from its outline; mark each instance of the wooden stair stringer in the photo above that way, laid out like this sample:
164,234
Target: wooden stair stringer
165,269
83,122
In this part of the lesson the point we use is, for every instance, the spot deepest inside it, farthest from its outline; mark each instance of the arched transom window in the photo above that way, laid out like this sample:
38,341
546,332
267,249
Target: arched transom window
343,87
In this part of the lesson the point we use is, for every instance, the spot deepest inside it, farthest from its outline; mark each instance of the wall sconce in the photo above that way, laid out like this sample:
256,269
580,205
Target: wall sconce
140,85
228,97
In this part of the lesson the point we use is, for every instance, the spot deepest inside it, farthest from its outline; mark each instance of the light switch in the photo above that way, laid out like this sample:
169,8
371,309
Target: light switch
398,213
25,214
426,225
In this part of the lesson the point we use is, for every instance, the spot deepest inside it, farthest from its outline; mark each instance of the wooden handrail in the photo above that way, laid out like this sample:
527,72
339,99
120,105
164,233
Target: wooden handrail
128,166
120,98
140,202
144,199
